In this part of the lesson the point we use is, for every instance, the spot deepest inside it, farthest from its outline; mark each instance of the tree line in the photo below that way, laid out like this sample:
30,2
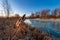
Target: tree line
46,13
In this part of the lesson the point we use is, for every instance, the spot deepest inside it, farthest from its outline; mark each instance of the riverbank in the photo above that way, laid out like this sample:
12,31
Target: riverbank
47,19
9,31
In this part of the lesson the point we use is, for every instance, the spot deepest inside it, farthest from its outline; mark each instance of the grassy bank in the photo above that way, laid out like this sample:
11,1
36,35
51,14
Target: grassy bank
9,31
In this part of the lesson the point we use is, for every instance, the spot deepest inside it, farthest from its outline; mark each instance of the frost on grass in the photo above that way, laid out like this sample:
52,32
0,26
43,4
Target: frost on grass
10,31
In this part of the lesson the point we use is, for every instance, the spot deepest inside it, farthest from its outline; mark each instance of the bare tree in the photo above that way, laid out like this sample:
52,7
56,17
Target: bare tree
57,12
45,13
6,7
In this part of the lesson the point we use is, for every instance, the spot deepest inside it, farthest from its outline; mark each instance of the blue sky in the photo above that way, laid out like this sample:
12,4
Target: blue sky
29,6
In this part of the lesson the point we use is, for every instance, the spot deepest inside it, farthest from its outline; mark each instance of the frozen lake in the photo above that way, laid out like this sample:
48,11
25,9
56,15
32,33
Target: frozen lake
51,27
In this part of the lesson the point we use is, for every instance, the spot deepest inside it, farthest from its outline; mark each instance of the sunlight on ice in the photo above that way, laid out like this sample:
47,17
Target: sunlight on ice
28,22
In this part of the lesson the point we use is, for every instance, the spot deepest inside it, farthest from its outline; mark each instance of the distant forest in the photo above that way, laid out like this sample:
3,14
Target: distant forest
47,13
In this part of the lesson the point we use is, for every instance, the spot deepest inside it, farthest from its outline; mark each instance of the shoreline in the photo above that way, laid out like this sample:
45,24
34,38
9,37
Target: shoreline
47,19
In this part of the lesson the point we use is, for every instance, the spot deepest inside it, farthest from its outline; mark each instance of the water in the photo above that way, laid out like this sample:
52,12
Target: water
51,27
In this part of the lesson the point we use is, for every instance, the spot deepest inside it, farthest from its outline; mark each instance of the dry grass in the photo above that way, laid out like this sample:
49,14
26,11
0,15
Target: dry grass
9,31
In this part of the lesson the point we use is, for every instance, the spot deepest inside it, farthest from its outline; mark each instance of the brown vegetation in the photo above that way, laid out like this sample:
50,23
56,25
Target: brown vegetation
9,31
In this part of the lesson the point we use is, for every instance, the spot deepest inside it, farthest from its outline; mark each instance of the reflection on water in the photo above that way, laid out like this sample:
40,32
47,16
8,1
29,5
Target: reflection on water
51,27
